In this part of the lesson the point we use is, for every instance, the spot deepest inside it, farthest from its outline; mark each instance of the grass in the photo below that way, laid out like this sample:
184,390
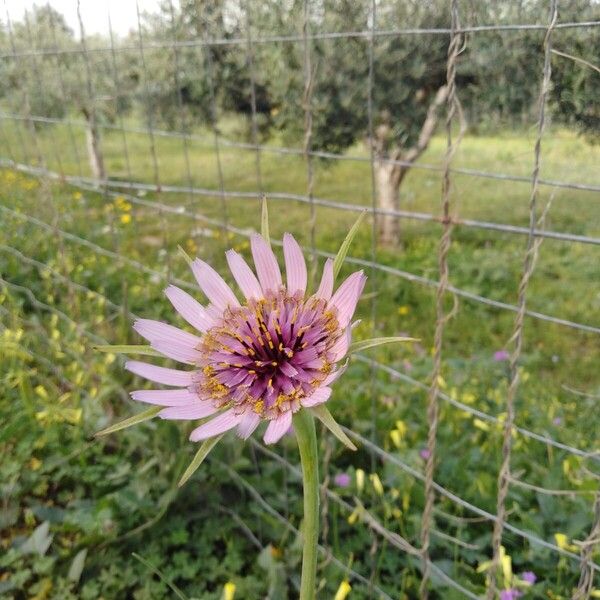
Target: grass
118,493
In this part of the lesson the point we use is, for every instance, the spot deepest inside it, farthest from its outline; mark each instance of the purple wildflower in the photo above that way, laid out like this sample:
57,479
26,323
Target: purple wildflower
501,355
529,577
424,453
342,480
261,360
557,421
511,594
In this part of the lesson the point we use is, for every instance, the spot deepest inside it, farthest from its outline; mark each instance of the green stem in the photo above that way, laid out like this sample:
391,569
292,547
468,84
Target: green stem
304,426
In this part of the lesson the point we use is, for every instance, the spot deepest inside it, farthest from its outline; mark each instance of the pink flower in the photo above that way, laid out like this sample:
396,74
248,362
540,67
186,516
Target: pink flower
529,577
511,594
260,360
342,480
424,453
501,355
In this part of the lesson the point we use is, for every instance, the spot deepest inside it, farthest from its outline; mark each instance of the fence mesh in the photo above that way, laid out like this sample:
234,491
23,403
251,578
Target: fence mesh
183,184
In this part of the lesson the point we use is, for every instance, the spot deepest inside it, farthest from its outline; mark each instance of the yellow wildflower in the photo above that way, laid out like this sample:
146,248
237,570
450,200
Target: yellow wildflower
360,479
35,464
403,310
376,482
562,541
229,591
343,590
401,427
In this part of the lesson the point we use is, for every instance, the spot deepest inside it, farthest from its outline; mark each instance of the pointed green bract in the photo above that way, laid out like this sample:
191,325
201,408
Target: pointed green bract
373,342
185,255
144,349
205,448
322,413
139,418
343,251
264,220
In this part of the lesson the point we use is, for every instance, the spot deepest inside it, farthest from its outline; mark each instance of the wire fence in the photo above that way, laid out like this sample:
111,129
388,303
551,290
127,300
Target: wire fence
24,150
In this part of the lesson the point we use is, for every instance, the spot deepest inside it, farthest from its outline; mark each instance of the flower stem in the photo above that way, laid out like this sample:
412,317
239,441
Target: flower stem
304,426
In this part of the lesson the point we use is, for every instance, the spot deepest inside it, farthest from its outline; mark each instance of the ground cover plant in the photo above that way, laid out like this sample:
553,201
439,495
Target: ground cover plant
88,518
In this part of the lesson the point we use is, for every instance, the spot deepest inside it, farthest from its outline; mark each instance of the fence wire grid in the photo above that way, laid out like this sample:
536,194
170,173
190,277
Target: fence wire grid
31,146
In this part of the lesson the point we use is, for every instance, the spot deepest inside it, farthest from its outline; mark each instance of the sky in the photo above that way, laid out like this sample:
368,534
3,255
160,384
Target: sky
94,13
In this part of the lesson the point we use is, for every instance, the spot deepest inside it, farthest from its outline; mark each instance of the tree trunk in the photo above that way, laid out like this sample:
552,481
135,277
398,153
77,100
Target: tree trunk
92,136
388,199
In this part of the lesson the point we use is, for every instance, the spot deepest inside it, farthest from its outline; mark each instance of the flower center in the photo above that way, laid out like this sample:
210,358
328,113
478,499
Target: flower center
268,354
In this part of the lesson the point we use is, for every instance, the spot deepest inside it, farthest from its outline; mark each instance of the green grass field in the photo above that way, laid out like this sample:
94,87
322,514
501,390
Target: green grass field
118,496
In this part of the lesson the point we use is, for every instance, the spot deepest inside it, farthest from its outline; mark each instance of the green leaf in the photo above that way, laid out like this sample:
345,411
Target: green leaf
205,448
161,576
322,413
185,255
373,342
139,418
76,568
341,255
264,220
144,349
39,541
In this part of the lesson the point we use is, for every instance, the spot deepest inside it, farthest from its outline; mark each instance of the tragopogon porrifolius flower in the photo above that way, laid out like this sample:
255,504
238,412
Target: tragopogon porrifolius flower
259,359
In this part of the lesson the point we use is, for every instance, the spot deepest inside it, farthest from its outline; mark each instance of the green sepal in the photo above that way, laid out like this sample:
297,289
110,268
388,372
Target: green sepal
205,448
144,349
343,251
139,418
264,220
373,342
185,255
322,413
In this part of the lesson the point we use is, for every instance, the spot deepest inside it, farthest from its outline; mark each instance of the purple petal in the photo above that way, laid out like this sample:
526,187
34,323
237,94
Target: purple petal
267,268
319,396
178,352
295,266
248,425
157,331
198,410
347,295
278,427
220,424
191,310
160,374
340,348
165,397
326,288
243,275
213,285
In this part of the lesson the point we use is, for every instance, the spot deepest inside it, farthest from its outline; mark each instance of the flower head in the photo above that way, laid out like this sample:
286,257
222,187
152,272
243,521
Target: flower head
501,355
529,577
342,480
263,359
